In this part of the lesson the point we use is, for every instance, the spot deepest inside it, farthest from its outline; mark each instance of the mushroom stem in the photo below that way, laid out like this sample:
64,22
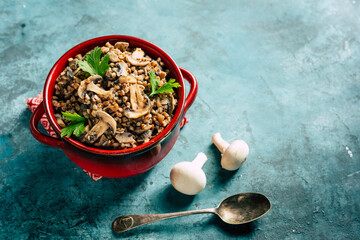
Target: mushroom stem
200,160
219,142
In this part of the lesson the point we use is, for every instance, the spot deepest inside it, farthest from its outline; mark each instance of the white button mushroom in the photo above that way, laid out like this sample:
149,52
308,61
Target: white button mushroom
188,177
234,154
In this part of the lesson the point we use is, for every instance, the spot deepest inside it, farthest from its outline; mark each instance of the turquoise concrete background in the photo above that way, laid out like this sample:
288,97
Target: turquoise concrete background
282,75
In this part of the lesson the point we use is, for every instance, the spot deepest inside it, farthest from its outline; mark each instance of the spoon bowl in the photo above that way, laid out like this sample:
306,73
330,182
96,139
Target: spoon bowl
243,208
236,209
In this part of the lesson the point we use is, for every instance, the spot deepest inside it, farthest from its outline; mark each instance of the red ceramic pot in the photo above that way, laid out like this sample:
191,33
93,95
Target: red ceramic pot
116,163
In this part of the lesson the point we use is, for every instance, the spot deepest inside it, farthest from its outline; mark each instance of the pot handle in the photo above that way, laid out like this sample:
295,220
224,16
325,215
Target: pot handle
34,128
192,94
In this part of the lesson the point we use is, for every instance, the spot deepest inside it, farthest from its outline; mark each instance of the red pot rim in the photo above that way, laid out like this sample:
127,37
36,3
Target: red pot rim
54,73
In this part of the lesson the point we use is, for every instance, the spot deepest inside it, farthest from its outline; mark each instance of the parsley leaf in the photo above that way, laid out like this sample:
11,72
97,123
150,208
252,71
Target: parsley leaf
74,117
73,128
86,67
166,88
76,127
93,64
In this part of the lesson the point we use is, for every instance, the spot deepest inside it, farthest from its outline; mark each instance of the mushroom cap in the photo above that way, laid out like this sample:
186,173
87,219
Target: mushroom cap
235,155
187,178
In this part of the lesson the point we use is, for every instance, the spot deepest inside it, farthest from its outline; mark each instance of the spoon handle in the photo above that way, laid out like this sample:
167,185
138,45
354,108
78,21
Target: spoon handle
127,222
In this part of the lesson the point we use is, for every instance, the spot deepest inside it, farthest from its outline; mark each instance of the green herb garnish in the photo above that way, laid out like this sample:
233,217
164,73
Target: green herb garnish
74,117
93,64
166,88
76,127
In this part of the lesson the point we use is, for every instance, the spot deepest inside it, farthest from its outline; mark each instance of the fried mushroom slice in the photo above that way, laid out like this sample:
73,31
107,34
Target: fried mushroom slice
136,58
123,68
172,102
113,57
140,103
141,130
122,46
128,79
103,142
89,85
125,138
138,54
105,122
145,136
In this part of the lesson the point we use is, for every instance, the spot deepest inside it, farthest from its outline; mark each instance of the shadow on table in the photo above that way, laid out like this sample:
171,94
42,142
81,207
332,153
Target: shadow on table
171,200
234,230
43,183
70,196
222,175
46,185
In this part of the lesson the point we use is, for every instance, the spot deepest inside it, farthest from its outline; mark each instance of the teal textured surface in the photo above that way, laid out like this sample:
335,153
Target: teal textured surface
282,75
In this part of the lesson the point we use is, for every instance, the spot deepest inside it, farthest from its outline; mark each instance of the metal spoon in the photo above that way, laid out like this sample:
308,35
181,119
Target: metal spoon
236,209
